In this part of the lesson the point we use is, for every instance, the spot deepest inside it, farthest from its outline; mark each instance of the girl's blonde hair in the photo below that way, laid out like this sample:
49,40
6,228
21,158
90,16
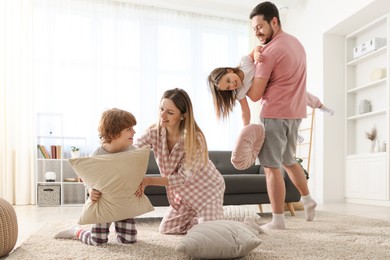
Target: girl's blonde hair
112,122
224,101
194,139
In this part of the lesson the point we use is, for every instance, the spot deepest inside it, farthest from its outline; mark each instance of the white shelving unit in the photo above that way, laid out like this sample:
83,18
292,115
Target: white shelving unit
67,189
367,173
349,171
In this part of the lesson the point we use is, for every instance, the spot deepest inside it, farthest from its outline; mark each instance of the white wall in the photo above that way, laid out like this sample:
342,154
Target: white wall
309,23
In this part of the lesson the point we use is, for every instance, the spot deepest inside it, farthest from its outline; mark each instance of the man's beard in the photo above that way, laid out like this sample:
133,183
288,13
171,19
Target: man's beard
268,39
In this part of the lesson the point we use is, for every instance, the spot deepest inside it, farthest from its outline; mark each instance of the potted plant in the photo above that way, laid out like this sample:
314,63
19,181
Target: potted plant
299,160
372,137
74,152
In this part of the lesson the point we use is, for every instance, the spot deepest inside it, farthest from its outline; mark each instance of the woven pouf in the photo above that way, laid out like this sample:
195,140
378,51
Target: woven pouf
8,227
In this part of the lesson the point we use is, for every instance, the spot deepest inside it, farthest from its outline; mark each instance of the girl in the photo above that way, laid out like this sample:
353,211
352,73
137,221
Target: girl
195,188
230,84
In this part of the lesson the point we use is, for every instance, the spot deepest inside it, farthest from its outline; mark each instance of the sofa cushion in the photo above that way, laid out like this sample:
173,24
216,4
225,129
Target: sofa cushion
154,190
221,160
152,165
245,183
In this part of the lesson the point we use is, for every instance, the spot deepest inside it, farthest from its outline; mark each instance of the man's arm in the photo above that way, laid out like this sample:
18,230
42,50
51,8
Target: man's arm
256,91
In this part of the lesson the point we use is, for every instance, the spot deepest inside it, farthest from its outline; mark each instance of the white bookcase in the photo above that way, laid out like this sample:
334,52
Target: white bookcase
67,189
367,78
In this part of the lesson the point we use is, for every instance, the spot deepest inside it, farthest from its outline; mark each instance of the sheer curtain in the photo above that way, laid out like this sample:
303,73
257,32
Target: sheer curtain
17,135
76,58
94,55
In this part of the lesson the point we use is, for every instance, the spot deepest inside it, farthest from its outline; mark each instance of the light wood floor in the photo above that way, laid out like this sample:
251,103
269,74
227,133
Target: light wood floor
32,218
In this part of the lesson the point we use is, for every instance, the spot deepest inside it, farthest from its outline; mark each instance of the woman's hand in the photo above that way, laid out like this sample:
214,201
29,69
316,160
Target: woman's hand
94,194
140,190
151,181
141,187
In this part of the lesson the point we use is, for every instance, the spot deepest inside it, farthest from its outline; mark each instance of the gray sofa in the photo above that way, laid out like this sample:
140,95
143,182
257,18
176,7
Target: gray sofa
242,186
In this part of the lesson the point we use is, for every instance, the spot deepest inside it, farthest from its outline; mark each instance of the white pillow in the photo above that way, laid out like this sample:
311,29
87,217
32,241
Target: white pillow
239,213
219,239
117,176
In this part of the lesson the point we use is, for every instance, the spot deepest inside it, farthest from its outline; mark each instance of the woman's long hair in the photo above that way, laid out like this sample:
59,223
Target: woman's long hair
194,139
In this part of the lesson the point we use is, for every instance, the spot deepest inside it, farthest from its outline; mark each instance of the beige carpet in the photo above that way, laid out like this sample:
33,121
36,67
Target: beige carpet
330,236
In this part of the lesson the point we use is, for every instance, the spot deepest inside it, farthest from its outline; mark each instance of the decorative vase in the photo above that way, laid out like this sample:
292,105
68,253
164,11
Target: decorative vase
364,106
373,143
75,154
383,148
377,147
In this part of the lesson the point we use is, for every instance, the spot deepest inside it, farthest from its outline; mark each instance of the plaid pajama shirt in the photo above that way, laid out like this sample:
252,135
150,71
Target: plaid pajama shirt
194,195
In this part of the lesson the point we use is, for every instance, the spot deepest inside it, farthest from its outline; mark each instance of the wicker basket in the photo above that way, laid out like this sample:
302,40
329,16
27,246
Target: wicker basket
8,227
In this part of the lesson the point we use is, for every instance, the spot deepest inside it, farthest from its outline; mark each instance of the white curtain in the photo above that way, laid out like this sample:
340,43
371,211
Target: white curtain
17,131
90,55
94,55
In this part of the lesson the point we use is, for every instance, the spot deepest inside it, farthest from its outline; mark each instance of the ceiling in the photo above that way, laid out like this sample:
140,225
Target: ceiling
236,9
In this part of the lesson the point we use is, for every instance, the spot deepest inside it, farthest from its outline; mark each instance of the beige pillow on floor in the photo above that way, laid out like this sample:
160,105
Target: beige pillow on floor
117,176
219,239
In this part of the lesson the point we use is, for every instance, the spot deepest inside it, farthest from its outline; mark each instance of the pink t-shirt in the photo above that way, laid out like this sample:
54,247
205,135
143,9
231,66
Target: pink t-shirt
284,64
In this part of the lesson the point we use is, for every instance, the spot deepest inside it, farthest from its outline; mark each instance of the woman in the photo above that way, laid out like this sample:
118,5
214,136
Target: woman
194,186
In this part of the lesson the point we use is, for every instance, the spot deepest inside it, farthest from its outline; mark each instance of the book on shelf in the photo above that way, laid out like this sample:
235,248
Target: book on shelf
58,151
44,151
53,150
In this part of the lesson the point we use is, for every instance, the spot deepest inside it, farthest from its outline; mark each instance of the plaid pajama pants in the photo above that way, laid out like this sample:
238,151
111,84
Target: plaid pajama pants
125,230
181,220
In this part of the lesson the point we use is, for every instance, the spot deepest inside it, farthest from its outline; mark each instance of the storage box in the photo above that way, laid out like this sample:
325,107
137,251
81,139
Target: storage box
368,46
49,195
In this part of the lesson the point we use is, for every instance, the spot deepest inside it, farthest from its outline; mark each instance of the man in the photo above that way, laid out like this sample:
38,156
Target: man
280,84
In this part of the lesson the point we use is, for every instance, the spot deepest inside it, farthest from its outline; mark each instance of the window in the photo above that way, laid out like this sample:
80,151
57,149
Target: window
93,55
